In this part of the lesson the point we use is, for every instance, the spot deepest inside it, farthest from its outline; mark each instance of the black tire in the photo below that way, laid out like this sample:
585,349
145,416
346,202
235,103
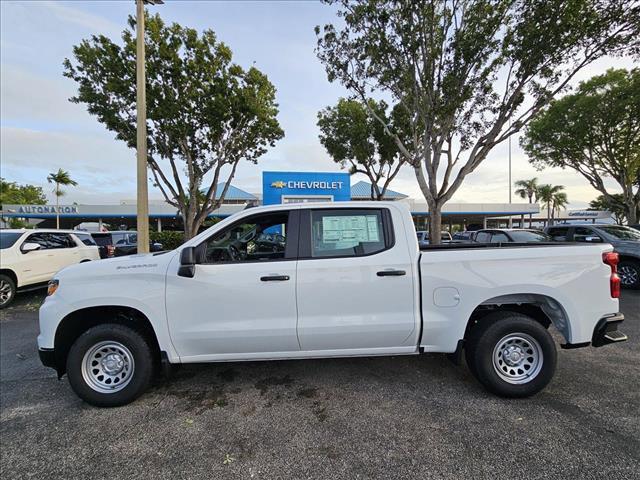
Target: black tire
535,359
629,272
7,291
141,370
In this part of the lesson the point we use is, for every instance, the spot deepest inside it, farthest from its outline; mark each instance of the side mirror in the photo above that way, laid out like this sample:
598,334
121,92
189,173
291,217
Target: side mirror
592,239
187,262
29,247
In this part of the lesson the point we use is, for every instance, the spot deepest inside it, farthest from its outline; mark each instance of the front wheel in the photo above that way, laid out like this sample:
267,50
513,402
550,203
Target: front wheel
7,291
629,272
110,365
511,354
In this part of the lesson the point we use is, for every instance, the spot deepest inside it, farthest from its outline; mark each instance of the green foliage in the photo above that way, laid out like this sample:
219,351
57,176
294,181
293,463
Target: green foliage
61,177
204,113
552,197
356,139
169,239
11,193
462,70
613,203
527,188
596,132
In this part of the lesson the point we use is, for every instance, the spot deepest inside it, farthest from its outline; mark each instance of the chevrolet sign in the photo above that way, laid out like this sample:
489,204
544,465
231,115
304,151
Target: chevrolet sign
302,185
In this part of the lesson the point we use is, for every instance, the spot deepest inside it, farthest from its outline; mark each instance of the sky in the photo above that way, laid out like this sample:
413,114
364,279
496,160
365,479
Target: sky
41,131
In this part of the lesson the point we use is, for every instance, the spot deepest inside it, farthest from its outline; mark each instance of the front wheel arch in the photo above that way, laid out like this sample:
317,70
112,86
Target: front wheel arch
78,322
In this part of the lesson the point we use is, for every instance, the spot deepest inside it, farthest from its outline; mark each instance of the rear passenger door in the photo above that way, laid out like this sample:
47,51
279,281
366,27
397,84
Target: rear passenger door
355,282
65,250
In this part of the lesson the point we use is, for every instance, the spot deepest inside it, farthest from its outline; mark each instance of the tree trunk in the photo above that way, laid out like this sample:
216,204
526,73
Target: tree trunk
57,207
632,213
435,223
190,225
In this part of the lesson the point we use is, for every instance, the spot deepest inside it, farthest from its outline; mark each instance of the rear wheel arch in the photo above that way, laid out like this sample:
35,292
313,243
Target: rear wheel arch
76,323
542,308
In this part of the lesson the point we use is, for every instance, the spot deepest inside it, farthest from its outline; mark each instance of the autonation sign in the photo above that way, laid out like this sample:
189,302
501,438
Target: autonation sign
278,187
51,209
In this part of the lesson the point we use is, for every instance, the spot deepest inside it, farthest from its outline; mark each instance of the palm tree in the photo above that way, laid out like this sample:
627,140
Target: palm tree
61,177
527,189
546,195
560,201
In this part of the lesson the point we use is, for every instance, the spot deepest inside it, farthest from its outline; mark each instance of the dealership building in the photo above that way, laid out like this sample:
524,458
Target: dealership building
284,187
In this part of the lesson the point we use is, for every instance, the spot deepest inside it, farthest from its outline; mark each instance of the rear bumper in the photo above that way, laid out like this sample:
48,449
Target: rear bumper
606,331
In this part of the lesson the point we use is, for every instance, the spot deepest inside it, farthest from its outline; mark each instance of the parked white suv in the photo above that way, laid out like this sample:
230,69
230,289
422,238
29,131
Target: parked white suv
30,258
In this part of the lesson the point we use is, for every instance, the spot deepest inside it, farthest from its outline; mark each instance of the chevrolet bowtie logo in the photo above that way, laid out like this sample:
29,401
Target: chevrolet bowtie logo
279,184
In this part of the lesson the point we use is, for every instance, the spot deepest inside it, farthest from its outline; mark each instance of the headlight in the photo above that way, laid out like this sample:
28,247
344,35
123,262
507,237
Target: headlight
52,286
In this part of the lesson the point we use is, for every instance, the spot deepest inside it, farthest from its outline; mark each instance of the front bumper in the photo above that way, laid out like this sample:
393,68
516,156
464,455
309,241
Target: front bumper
606,331
48,357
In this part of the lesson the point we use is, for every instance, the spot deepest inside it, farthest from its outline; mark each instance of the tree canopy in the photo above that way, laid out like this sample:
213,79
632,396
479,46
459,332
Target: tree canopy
204,113
12,193
596,132
469,74
356,140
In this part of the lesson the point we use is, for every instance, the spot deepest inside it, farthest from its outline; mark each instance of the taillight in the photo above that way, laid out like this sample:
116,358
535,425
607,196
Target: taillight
611,259
110,250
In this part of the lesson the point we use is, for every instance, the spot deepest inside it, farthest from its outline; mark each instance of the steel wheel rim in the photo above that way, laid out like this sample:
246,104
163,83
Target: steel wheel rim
5,292
108,367
517,358
628,275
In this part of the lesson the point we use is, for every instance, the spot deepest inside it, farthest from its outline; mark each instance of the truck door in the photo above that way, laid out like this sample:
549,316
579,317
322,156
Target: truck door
242,298
355,281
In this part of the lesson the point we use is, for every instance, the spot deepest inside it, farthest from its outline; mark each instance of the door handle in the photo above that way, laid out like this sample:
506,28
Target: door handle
391,273
275,278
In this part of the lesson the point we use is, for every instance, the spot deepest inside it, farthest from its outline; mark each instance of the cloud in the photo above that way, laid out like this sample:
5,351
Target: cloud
93,23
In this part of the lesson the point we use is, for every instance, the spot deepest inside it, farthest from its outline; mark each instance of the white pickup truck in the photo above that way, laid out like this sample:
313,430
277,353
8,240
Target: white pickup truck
326,280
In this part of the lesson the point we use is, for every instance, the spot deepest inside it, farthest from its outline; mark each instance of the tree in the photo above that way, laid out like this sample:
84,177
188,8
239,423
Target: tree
61,177
204,113
547,194
527,189
11,193
596,132
613,204
560,201
353,137
469,74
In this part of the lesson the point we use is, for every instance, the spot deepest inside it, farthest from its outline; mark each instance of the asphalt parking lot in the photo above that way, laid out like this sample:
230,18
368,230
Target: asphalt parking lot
347,418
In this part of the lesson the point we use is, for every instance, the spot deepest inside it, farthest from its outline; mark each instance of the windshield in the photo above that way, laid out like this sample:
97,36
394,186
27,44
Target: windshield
528,236
7,239
623,233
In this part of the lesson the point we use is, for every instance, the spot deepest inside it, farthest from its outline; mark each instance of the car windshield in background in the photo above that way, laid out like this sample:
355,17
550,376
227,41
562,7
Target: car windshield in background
526,236
7,239
623,233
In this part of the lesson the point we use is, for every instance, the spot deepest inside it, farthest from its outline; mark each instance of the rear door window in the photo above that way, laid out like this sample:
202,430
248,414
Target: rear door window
347,233
61,240
499,237
483,237
581,233
558,234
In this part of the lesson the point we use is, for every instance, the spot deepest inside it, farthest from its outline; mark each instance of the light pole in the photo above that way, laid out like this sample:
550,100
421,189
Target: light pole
141,140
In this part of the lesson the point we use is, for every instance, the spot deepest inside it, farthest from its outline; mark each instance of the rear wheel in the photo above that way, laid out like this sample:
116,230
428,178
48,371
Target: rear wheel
629,272
110,365
511,354
7,291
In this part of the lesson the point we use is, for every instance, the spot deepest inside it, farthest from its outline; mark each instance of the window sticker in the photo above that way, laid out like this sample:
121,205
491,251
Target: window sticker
346,231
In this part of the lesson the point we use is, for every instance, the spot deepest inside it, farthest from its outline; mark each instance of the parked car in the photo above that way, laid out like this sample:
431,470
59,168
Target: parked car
30,258
465,236
509,235
635,226
120,243
423,237
625,241
351,281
